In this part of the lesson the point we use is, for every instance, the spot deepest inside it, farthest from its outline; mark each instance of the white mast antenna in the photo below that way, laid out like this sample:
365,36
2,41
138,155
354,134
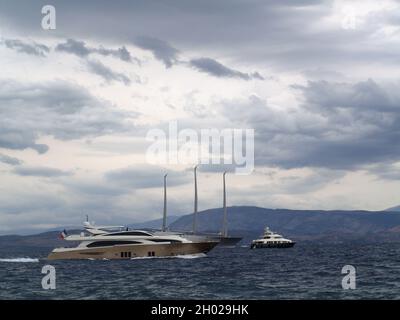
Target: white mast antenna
164,225
195,201
225,221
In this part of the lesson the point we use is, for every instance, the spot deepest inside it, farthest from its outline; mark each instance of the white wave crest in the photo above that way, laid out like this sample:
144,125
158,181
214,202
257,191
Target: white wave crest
183,256
192,256
20,260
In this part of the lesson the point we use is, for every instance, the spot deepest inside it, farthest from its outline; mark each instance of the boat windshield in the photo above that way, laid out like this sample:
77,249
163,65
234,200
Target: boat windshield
130,233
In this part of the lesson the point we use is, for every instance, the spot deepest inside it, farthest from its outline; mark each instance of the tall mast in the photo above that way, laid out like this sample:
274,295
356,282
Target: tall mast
164,225
195,201
224,223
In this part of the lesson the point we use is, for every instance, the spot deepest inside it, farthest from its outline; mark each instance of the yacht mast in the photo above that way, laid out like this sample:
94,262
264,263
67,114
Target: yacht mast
224,223
164,225
195,201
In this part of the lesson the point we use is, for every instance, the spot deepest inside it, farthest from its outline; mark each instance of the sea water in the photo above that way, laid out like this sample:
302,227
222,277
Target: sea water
309,270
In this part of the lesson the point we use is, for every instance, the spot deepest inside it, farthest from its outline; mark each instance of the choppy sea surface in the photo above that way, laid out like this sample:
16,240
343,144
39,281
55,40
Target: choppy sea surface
306,271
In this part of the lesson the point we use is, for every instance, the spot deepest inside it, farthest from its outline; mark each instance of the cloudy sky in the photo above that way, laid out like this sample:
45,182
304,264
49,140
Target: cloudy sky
316,80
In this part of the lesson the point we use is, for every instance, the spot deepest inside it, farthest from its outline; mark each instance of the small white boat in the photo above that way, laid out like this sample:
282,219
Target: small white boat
271,240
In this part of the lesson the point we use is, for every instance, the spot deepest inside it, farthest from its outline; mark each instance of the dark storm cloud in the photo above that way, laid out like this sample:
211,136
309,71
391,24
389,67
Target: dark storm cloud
121,53
40,171
32,48
318,179
80,49
59,109
15,138
361,97
280,34
106,73
217,69
9,160
33,203
146,176
169,56
160,49
93,188
339,126
386,171
75,47
362,123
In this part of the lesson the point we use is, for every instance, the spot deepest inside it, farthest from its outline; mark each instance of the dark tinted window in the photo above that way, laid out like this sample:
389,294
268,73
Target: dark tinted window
165,240
109,243
129,233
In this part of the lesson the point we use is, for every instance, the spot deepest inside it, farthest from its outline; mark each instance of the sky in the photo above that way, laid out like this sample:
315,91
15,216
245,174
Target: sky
316,80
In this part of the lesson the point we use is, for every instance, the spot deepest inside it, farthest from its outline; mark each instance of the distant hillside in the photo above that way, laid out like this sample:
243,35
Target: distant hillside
397,208
43,240
306,224
249,222
153,224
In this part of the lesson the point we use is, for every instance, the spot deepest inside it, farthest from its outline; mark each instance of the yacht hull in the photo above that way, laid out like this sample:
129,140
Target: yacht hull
222,241
120,252
272,245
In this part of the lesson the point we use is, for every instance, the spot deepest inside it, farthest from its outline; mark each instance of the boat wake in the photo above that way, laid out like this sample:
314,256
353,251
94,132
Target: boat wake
20,260
183,256
191,256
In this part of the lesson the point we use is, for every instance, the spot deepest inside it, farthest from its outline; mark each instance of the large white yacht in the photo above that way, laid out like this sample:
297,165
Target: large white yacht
110,242
271,240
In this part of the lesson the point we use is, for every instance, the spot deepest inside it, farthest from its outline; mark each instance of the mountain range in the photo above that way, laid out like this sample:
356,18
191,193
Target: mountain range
300,224
249,222
397,208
